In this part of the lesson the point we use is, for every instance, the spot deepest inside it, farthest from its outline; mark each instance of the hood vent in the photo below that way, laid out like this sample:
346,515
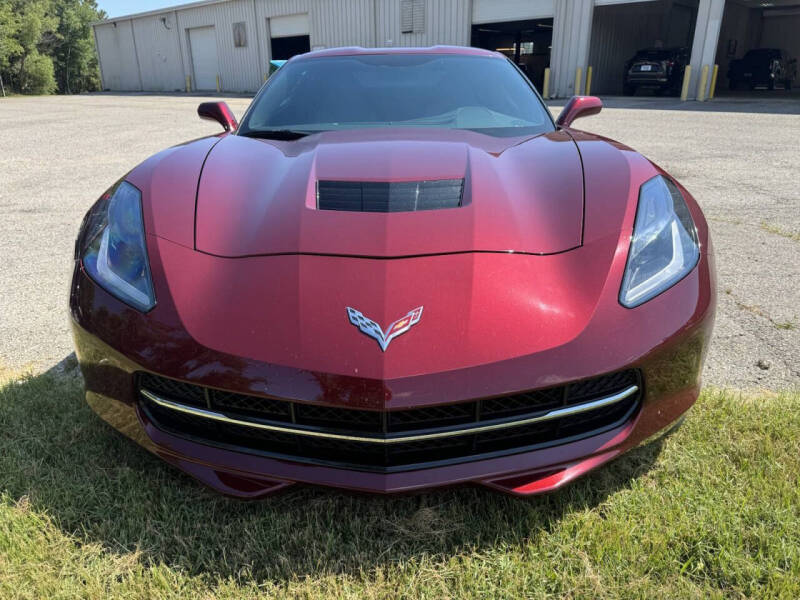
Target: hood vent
384,196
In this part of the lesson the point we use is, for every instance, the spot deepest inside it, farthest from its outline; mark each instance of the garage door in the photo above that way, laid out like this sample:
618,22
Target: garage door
289,25
203,43
488,11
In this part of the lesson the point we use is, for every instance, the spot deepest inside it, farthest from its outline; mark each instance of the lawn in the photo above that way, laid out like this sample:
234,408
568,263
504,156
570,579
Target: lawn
712,510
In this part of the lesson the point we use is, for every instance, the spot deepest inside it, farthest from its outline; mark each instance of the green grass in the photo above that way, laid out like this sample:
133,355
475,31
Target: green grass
713,510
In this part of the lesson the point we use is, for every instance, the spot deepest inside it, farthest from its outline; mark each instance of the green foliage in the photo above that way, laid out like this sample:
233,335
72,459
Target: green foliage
37,77
48,45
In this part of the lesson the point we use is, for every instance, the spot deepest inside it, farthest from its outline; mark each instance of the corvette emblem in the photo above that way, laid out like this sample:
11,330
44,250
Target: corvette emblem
373,330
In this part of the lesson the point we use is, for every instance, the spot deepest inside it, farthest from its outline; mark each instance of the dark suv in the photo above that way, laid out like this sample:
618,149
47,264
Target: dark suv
764,67
657,68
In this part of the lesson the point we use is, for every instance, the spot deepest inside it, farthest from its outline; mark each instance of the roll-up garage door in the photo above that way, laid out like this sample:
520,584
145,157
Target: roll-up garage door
289,25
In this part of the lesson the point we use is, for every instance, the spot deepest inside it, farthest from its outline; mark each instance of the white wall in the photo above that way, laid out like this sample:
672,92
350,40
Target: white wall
572,28
159,57
159,53
239,67
446,22
118,56
704,43
342,23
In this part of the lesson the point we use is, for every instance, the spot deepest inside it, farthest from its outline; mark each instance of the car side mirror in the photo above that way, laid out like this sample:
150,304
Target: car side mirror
219,112
579,106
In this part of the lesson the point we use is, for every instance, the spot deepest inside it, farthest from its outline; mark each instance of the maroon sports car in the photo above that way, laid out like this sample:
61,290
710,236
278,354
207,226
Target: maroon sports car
398,272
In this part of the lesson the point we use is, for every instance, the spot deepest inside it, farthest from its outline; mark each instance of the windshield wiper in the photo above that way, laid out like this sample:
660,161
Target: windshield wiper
277,134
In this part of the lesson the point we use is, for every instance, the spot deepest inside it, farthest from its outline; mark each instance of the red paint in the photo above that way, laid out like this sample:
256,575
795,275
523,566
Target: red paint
258,197
577,107
219,112
274,322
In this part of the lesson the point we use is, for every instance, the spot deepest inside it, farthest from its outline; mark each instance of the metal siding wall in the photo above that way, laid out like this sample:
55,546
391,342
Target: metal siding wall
343,23
572,26
618,31
496,11
116,49
239,67
159,53
446,22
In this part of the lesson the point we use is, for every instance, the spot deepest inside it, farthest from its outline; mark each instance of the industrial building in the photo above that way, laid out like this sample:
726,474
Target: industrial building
226,45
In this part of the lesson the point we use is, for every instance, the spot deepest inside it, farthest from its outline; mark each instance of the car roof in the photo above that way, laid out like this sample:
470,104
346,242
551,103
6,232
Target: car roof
359,51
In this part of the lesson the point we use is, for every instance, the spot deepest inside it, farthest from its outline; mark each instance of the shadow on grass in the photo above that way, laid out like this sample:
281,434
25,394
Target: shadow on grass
99,487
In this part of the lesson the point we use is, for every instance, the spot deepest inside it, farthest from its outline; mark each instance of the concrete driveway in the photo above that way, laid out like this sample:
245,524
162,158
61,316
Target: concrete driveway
739,157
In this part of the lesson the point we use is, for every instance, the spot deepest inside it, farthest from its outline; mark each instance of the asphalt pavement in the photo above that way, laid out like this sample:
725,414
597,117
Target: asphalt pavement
739,157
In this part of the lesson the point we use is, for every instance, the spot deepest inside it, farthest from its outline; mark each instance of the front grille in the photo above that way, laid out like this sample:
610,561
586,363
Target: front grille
388,441
386,196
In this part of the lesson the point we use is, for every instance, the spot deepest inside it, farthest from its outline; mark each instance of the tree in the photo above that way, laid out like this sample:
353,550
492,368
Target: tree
34,70
74,55
9,30
49,44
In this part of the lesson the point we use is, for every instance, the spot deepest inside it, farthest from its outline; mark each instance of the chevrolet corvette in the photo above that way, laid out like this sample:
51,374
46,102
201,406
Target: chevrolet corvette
397,272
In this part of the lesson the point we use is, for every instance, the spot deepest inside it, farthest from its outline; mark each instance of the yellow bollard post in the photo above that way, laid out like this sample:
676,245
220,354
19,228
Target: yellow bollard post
701,91
188,83
589,80
218,89
713,82
546,84
687,75
578,79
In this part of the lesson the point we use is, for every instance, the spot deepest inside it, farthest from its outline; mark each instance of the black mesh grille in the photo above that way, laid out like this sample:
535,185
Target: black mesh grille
384,196
330,417
400,455
600,386
432,416
171,389
266,408
506,406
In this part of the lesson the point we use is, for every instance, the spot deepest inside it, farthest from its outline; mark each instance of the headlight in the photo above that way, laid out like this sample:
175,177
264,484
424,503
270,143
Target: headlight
664,245
113,247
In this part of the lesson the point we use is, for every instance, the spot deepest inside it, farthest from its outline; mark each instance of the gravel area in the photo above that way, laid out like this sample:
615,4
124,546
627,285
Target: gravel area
737,156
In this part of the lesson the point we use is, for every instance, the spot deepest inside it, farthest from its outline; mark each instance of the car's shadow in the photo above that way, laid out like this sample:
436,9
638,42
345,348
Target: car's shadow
99,487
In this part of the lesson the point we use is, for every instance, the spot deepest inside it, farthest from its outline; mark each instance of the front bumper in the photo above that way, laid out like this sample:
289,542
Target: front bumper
666,345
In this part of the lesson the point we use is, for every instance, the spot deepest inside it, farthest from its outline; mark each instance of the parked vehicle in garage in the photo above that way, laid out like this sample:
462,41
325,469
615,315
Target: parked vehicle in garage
656,68
763,67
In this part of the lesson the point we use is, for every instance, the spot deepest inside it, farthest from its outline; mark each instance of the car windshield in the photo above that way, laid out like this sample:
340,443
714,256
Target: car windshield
398,90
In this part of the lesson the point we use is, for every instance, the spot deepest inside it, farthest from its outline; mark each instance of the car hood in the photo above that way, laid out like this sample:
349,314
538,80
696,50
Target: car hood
521,194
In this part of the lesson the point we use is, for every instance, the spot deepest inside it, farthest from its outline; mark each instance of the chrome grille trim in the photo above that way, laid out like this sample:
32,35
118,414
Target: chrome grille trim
443,432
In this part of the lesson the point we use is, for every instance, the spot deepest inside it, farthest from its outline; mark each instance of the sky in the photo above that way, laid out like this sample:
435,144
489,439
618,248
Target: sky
118,8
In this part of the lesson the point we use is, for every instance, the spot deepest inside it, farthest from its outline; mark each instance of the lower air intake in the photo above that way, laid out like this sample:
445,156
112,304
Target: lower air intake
399,440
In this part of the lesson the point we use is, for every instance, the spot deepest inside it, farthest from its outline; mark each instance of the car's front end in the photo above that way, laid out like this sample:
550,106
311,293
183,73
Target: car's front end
393,309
